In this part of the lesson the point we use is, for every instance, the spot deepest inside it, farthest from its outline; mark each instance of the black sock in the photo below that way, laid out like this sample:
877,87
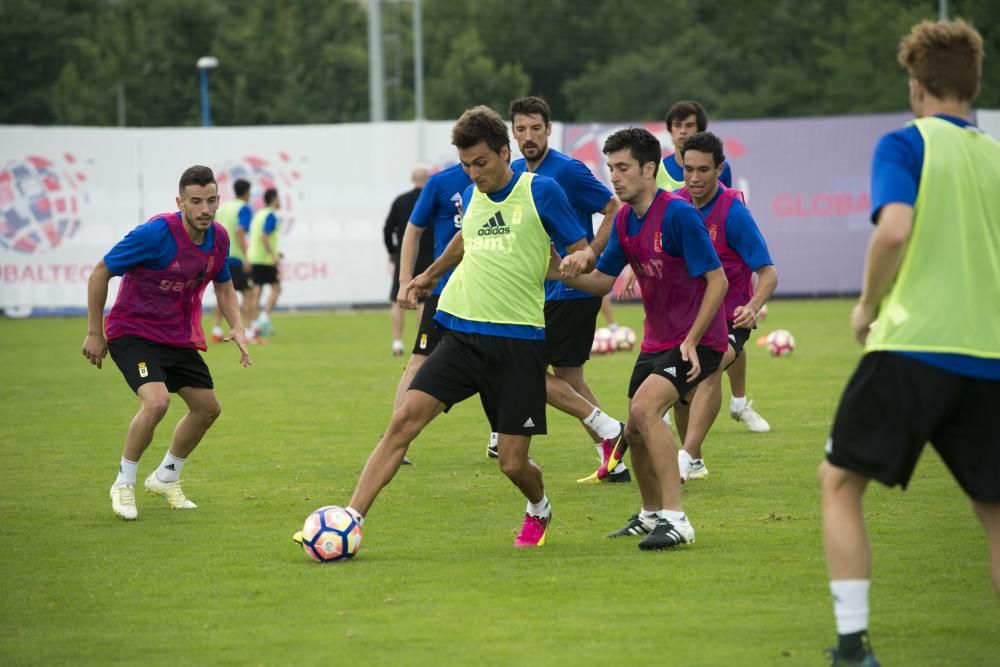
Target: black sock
853,646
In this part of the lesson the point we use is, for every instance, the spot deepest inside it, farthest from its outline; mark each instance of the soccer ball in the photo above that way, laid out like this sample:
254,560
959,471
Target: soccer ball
624,338
780,343
330,534
603,341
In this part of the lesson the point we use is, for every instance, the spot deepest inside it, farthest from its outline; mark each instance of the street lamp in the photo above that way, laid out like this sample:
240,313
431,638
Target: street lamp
206,63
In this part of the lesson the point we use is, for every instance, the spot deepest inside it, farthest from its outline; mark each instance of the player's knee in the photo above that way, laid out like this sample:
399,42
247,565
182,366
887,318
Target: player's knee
641,414
211,411
512,465
156,406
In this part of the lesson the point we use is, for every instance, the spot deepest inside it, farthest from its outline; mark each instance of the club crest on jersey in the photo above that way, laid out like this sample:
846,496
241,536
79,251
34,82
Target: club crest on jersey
143,371
713,231
518,214
658,242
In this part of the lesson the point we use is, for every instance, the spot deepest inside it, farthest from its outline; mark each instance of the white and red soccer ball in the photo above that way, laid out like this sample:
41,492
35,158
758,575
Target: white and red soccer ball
603,342
780,343
331,534
624,339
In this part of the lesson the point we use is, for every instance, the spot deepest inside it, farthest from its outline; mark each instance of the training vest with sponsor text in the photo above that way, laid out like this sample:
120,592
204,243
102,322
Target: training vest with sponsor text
256,253
506,255
738,274
228,216
670,296
165,306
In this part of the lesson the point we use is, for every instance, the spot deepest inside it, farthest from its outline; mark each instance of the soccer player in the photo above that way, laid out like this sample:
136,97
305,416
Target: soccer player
235,215
743,252
570,315
928,319
264,256
392,233
666,242
684,120
153,331
439,210
493,311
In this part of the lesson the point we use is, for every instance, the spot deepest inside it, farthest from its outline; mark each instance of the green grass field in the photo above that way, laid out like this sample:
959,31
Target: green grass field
436,580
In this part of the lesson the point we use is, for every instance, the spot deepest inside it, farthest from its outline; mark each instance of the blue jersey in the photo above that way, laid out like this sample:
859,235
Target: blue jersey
151,245
896,168
683,234
562,226
742,233
676,171
438,205
586,195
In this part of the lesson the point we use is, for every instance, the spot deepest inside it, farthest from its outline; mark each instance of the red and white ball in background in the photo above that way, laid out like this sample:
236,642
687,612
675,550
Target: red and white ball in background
780,343
603,342
624,339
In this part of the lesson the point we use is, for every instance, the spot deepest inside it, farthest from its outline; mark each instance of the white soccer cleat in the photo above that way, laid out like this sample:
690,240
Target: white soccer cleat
697,469
754,422
170,491
123,501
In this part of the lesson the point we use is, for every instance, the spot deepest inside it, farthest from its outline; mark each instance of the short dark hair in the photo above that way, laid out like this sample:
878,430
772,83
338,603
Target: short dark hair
686,108
530,105
642,145
705,142
269,196
477,124
241,187
196,175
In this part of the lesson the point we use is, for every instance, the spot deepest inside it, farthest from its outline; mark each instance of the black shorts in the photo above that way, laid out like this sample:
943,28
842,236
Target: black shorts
738,337
241,280
894,404
507,373
428,335
142,361
668,364
264,274
569,331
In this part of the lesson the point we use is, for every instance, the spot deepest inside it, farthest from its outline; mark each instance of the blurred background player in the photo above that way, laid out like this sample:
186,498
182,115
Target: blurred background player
931,368
153,331
684,120
493,310
683,284
438,211
264,256
235,215
743,252
392,233
570,315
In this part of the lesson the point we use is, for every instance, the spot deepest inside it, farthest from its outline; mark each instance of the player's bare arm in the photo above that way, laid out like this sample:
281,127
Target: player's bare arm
407,258
228,304
579,259
745,316
715,292
424,284
600,241
885,255
95,345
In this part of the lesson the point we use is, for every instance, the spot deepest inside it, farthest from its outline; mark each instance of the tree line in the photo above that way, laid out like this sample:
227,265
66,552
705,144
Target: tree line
65,62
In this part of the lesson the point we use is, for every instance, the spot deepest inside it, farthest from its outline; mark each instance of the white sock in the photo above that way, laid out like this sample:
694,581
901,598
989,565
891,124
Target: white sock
217,330
603,425
672,515
648,518
263,317
356,514
494,440
541,509
850,604
397,344
737,403
251,332
126,472
170,469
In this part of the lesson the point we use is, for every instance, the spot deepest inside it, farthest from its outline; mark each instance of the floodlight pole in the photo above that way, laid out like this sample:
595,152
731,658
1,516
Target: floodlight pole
204,64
